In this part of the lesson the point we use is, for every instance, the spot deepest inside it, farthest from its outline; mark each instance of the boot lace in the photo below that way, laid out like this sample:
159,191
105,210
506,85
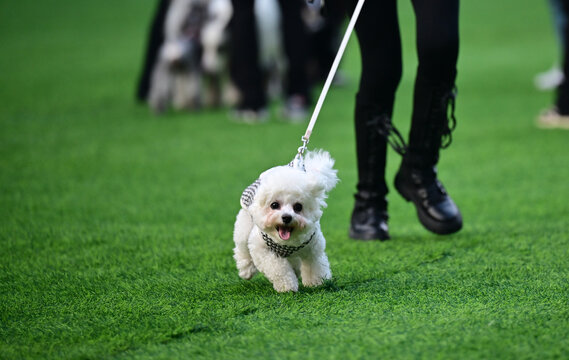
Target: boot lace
448,103
386,129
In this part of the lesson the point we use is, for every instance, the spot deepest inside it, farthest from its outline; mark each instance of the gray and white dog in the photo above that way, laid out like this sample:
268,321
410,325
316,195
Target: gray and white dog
195,31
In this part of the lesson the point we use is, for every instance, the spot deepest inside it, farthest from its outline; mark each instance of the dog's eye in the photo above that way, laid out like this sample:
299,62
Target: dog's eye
297,207
275,206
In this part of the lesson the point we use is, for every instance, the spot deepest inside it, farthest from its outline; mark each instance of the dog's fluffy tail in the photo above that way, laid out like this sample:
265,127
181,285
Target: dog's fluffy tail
321,164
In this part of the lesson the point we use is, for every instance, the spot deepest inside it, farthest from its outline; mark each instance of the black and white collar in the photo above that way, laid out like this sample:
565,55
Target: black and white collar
283,250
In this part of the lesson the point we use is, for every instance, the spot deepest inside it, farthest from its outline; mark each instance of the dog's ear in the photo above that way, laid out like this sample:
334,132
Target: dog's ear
320,165
249,194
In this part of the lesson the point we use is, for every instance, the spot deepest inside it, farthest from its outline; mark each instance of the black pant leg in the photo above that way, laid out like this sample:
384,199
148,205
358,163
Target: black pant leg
295,40
327,40
155,40
244,63
437,50
437,39
377,30
562,100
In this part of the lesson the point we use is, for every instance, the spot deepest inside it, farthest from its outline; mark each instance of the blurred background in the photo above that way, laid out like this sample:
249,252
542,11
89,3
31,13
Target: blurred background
124,149
77,80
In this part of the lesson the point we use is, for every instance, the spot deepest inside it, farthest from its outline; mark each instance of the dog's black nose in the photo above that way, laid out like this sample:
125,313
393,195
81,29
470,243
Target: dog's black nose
287,219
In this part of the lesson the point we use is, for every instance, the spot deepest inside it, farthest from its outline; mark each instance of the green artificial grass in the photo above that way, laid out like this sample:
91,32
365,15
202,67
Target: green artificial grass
116,225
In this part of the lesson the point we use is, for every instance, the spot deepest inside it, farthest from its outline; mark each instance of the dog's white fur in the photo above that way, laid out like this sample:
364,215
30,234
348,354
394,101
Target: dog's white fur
287,186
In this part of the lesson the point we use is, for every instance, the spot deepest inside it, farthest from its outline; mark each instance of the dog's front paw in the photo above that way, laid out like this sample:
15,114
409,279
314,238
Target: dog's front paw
248,273
246,269
285,286
312,282
315,276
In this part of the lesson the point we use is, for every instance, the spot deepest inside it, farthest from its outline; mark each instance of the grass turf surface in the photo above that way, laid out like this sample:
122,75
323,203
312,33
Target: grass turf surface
116,226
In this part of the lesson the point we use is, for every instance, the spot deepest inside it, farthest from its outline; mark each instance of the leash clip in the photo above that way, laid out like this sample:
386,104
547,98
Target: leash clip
298,161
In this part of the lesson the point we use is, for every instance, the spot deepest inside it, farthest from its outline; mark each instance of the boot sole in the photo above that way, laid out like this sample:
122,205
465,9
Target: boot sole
366,237
437,227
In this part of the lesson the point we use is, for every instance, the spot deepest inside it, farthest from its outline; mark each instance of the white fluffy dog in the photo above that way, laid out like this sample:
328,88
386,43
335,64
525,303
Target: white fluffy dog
277,231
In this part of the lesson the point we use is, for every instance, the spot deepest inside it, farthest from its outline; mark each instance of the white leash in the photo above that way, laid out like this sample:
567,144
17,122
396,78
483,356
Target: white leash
298,159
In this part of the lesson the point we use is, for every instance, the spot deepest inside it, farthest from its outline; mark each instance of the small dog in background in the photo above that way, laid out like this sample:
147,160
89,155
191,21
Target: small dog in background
277,231
195,32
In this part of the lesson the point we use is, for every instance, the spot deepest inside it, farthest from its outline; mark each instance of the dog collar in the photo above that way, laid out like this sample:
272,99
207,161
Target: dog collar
283,250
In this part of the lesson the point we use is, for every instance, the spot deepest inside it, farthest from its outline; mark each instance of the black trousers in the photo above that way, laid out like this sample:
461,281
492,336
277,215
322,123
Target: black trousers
325,41
562,101
154,42
379,38
244,64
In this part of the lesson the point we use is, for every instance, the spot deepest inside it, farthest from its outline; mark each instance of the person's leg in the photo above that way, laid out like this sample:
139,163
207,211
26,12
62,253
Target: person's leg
558,116
378,35
244,61
155,40
295,39
325,40
433,115
552,78
559,15
437,50
562,100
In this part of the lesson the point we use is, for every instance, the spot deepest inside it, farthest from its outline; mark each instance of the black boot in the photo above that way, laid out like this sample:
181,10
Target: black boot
435,209
369,218
416,179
